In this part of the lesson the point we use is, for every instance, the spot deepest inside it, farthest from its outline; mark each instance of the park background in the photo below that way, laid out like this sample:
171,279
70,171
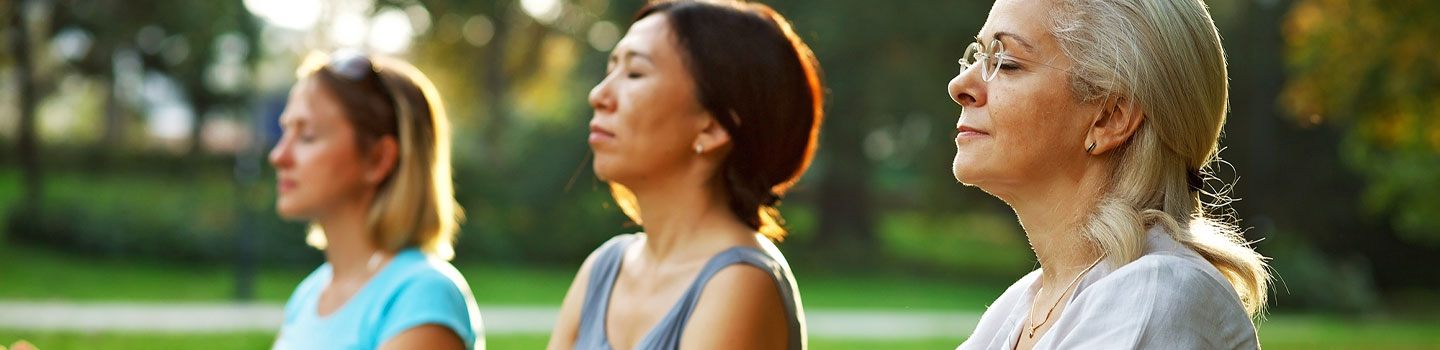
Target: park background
133,137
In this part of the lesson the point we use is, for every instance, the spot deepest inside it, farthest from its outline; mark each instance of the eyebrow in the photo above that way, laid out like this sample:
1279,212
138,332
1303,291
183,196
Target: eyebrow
1016,38
292,122
631,55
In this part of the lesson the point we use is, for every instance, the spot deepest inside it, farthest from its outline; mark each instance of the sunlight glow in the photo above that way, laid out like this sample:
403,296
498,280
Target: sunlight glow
543,11
478,30
348,30
603,35
391,31
300,15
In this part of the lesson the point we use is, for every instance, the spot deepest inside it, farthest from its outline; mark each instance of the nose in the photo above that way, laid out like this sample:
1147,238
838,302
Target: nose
967,88
280,156
601,98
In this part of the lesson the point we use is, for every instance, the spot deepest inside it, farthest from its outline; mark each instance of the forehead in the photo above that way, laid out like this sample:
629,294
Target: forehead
650,35
310,103
1030,20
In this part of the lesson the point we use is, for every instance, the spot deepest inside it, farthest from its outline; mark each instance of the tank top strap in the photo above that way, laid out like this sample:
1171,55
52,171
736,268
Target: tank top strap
597,293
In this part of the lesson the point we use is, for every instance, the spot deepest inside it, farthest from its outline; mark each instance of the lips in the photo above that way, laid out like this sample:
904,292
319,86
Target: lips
599,134
966,131
285,185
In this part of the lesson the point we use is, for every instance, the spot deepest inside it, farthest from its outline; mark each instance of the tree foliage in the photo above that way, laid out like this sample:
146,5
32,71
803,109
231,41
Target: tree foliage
1372,68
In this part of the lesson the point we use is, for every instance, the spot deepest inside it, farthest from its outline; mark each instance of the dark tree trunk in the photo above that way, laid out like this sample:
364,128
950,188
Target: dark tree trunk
847,220
114,135
27,145
202,102
496,84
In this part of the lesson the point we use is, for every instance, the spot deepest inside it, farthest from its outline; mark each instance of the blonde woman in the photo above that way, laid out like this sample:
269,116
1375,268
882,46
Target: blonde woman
1092,119
365,158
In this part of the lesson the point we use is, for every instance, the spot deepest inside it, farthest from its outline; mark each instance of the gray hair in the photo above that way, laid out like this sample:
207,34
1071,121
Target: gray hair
1165,56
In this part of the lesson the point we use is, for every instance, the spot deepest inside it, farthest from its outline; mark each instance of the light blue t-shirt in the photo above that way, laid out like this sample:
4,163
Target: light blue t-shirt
412,290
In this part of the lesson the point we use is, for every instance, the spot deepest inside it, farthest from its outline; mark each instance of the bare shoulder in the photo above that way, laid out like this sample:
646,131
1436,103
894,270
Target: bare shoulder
567,324
582,277
739,307
426,336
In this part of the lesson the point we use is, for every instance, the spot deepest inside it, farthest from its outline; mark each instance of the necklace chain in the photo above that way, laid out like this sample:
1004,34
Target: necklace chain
1032,325
374,262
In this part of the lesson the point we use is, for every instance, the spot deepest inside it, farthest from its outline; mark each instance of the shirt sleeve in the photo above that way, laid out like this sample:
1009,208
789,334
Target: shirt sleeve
432,298
1160,302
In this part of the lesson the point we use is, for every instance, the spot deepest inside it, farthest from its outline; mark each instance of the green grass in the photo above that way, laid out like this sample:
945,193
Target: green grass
1328,332
1278,332
50,275
975,243
896,292
39,274
123,341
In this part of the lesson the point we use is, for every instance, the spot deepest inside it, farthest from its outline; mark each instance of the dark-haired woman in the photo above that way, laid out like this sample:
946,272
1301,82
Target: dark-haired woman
708,112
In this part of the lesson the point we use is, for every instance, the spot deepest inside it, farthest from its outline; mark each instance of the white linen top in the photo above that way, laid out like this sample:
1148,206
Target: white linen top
1170,298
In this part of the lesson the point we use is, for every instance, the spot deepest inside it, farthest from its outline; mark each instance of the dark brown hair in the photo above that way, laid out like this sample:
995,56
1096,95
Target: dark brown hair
762,84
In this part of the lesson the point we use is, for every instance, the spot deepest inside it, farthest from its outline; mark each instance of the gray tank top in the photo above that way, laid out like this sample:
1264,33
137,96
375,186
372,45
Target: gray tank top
666,334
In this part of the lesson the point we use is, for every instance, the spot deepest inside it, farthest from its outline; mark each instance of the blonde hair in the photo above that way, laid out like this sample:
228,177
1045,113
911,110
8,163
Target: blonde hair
415,205
1165,56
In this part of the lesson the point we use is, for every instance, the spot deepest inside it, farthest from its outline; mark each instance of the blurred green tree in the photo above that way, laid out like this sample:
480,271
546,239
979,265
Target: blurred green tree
1372,69
887,118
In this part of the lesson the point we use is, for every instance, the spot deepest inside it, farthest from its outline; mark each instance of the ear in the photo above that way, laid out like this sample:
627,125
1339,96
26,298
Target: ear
381,160
1117,121
712,136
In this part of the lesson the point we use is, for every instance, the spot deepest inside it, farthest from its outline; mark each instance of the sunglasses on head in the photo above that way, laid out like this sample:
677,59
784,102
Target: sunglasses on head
357,67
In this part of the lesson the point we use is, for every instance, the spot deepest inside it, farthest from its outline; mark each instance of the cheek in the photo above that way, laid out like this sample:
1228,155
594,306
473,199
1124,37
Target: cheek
1035,130
330,169
651,132
650,142
1044,115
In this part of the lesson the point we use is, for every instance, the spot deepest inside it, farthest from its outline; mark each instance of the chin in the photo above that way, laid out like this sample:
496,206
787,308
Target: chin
612,168
969,173
963,179
603,169
960,169
289,210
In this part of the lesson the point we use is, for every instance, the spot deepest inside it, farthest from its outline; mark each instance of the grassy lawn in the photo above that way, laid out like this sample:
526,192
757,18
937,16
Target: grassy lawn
1327,332
122,341
1278,332
50,275
986,244
47,274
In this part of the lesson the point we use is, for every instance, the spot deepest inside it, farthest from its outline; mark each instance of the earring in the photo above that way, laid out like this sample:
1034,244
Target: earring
1092,147
699,148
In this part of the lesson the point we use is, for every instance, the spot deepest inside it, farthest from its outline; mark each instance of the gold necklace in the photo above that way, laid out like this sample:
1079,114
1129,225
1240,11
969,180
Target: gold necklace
1034,326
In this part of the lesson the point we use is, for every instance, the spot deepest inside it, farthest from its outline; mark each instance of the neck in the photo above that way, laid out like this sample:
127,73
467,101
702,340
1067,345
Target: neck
684,215
349,248
1053,217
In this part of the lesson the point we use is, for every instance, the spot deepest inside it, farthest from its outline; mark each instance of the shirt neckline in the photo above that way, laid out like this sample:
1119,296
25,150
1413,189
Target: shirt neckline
404,255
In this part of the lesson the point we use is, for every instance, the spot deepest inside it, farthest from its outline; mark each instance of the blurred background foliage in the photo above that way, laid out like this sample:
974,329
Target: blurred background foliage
137,131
